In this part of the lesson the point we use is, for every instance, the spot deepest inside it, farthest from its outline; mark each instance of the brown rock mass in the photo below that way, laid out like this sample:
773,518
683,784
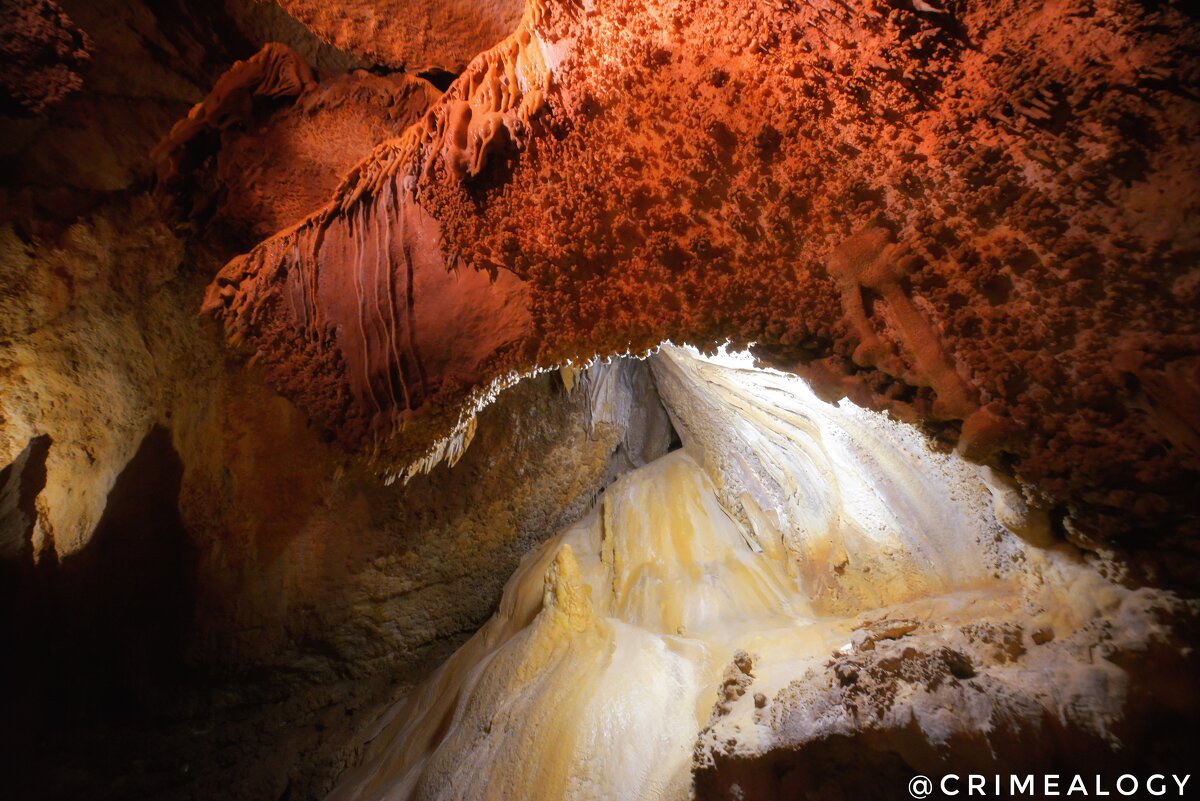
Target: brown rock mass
200,596
42,53
270,142
410,34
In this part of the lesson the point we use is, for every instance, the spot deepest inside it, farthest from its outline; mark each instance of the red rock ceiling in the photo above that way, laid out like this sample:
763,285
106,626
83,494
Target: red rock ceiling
981,217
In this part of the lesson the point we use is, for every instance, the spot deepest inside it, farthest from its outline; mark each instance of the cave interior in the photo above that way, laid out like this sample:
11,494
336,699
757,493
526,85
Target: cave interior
598,399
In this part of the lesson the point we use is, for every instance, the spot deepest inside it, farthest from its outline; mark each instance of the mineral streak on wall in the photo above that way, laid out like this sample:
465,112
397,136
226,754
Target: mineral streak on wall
981,216
673,630
404,338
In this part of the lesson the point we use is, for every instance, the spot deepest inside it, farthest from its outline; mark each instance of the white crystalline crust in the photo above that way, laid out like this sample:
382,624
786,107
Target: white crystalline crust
865,513
708,603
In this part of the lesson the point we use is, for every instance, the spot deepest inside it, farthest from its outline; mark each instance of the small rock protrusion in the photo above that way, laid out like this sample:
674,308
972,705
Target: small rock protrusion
1042,635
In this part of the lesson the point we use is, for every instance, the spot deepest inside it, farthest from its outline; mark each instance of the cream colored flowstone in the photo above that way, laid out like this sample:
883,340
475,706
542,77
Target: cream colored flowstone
786,528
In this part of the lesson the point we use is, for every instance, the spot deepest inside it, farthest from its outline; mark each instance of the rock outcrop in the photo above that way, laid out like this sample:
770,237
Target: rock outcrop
414,36
201,595
431,234
979,217
661,648
42,52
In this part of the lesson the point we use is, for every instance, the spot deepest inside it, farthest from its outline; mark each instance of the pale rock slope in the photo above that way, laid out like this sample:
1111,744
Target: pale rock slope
798,571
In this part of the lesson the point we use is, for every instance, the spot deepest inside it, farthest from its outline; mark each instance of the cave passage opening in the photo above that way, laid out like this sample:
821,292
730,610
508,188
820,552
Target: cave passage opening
799,578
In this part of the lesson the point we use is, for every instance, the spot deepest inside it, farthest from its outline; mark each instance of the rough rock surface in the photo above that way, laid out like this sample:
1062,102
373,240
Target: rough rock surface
270,142
200,595
259,21
954,696
41,54
240,591
980,216
363,291
414,35
660,648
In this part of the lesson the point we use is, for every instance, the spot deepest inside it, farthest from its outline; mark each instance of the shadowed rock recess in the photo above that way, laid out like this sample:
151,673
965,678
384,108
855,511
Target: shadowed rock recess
638,399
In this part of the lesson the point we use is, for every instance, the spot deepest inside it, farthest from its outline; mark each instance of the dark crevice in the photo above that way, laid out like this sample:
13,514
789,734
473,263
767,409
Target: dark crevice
439,78
98,637
20,484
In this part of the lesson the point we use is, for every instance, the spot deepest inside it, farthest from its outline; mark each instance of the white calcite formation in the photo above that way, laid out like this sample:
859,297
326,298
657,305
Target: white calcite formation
798,570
